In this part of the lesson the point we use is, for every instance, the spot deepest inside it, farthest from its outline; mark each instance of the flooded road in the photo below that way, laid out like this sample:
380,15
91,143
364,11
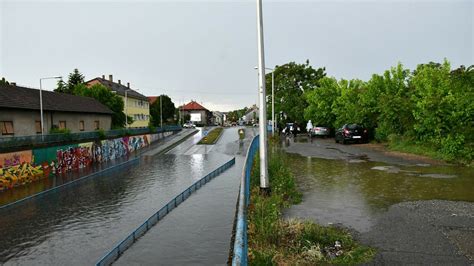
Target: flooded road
355,193
411,210
78,225
352,184
199,231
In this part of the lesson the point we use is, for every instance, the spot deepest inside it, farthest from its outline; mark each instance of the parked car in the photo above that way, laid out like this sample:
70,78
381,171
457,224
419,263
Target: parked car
351,132
320,131
189,125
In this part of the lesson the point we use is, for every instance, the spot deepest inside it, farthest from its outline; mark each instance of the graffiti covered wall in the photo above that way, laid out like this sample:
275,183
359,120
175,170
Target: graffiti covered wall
19,168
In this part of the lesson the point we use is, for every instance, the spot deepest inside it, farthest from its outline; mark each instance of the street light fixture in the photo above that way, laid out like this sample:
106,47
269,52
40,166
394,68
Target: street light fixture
41,101
273,98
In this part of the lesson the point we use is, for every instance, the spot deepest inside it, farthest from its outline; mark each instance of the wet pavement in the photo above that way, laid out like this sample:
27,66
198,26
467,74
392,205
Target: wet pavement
198,232
374,193
79,224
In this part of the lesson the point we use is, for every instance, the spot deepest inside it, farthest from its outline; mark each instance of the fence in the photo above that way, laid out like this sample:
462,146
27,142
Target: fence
239,256
115,253
12,142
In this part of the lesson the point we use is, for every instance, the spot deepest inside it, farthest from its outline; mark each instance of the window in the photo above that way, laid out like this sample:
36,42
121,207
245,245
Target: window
96,125
38,127
81,125
62,124
7,127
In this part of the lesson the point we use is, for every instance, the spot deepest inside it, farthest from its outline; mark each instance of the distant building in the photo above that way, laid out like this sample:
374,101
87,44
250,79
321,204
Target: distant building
136,104
218,118
20,112
251,116
199,115
152,99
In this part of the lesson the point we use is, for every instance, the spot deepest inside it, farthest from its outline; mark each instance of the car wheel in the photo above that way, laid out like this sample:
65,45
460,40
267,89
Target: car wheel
344,141
335,139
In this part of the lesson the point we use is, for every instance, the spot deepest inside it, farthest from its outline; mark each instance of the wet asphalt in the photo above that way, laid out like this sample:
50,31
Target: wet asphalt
428,232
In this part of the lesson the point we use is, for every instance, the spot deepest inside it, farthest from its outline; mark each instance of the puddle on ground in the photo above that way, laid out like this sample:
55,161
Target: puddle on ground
438,176
355,194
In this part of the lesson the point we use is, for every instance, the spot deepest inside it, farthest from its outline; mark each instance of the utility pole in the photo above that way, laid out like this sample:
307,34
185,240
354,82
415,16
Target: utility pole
161,112
264,183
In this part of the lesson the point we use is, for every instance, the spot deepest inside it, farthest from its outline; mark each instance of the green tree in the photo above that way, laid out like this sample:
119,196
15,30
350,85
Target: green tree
292,80
74,79
168,110
395,104
320,102
107,98
346,106
3,81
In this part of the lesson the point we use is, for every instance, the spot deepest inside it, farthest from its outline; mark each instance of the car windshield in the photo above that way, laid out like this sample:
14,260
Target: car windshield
352,126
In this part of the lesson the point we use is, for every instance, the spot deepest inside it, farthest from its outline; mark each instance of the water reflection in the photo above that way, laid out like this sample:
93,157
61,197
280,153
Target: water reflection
76,226
354,194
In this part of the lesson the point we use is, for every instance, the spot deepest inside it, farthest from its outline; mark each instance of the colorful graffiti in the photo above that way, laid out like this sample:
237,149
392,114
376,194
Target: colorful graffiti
19,168
19,175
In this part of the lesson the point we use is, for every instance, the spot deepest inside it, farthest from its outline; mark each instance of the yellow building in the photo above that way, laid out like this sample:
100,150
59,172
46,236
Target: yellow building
136,104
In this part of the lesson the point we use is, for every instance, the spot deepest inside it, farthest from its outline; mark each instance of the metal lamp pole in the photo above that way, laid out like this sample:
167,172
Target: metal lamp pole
161,113
41,102
273,98
126,109
264,182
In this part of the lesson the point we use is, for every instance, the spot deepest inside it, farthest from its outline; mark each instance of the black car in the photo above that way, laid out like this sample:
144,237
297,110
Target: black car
351,132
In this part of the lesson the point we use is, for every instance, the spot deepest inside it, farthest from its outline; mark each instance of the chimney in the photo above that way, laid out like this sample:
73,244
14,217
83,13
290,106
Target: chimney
103,76
128,85
111,78
119,82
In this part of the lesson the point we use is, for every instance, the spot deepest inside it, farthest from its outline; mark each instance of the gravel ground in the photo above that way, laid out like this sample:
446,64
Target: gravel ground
424,232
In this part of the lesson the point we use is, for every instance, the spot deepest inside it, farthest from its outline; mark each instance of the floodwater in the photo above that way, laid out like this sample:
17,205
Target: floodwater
355,192
79,224
199,231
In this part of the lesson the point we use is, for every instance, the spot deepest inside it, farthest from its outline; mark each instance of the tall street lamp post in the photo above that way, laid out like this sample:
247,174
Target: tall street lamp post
273,98
161,113
41,101
264,182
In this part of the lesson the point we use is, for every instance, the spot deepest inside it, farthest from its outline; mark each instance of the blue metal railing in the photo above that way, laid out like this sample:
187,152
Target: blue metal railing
240,251
12,142
115,253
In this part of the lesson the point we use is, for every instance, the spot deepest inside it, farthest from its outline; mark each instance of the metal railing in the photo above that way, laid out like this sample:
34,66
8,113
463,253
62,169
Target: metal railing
115,253
12,142
240,250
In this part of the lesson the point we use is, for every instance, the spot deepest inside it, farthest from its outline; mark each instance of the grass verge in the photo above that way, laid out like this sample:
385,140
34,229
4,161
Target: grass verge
212,136
273,240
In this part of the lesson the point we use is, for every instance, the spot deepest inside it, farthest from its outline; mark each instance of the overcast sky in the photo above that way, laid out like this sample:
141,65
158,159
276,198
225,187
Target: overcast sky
207,50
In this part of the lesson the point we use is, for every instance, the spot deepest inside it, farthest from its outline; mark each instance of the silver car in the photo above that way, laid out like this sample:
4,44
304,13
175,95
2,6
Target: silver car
320,131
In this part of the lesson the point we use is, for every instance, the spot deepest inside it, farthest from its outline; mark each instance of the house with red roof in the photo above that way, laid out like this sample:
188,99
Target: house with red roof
198,114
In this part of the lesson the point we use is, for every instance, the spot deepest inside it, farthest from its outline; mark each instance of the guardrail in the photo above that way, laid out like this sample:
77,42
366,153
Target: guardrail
12,142
240,251
115,253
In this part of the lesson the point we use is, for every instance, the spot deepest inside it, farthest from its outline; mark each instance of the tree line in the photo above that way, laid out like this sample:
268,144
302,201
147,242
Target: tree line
431,105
